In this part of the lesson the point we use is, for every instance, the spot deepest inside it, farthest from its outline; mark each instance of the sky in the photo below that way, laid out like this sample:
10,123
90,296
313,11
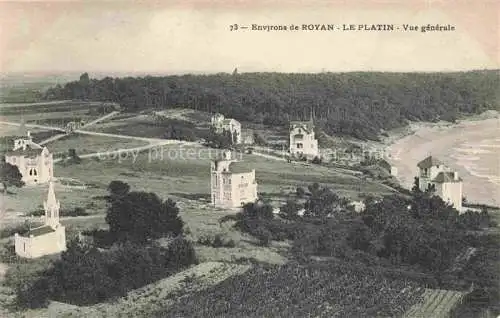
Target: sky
193,36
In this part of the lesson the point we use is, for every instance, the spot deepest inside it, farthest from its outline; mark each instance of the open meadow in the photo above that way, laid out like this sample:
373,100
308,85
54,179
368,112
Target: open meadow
86,144
184,171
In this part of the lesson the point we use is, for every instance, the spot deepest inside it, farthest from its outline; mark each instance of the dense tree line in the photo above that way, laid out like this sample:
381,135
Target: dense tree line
357,104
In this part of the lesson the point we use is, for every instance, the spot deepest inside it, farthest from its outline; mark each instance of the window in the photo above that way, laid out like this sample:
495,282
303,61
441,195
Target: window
34,172
31,172
300,146
425,172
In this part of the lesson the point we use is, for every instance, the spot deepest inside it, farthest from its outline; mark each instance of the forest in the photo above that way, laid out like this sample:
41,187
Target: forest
358,104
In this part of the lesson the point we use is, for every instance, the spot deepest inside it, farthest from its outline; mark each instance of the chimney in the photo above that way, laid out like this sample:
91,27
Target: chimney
455,175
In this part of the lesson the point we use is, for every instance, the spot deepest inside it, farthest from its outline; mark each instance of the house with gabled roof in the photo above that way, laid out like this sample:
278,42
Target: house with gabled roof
232,125
447,184
232,182
302,139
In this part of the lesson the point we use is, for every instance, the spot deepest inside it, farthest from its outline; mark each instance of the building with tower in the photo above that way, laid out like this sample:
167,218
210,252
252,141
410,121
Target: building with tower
433,173
35,163
50,238
232,182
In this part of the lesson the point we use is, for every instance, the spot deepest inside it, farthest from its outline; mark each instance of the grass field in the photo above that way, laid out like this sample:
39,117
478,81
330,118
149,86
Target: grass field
85,144
186,170
138,125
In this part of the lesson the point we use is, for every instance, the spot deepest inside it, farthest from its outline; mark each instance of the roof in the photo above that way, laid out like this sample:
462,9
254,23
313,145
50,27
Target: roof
239,167
22,132
220,156
227,121
39,231
28,152
384,164
51,196
429,162
446,177
308,125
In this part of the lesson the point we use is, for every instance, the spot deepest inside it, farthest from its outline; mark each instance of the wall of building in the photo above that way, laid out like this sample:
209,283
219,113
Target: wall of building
308,141
34,170
451,192
37,246
230,190
244,188
427,175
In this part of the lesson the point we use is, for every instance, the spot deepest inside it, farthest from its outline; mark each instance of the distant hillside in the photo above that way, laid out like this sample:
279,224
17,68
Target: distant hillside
358,104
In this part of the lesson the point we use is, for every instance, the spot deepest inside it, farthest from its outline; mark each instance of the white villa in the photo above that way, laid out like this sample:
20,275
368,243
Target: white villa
232,183
35,163
220,124
447,183
302,139
47,239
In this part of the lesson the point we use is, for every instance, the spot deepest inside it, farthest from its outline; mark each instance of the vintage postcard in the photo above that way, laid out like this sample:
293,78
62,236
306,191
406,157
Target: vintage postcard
250,158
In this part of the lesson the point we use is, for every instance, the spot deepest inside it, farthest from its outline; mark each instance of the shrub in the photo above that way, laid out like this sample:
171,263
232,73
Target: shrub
316,160
216,241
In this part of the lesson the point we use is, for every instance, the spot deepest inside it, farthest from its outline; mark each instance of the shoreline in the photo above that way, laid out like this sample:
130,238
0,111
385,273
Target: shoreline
407,146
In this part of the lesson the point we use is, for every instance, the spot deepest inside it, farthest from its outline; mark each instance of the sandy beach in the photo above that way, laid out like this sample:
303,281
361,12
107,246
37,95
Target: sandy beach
472,147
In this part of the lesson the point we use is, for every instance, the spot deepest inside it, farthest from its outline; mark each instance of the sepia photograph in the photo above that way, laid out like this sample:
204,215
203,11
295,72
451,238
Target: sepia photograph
220,158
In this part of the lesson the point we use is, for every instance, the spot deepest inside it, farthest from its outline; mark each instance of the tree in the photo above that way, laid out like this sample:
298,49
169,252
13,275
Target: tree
416,185
221,140
141,216
290,210
84,78
258,139
300,192
323,202
118,189
316,160
258,210
73,157
181,253
10,175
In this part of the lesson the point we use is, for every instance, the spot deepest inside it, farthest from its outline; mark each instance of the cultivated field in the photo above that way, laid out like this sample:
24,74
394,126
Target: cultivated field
52,114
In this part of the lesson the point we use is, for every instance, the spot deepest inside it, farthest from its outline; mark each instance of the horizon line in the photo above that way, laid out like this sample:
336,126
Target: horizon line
193,72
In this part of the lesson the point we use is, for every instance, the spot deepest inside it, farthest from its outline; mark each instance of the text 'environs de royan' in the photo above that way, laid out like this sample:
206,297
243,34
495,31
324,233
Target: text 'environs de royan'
344,27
